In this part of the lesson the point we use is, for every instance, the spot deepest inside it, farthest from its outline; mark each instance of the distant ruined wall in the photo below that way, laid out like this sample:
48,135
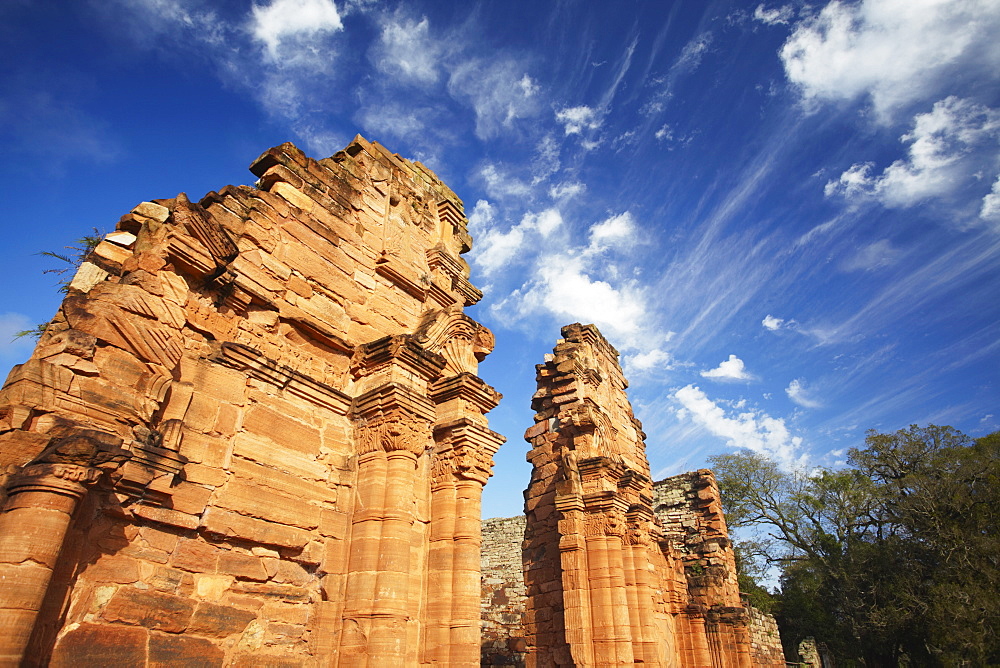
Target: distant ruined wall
503,592
609,581
765,641
253,434
689,506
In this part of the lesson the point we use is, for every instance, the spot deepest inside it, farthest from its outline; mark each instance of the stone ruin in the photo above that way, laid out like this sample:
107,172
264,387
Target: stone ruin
253,435
616,570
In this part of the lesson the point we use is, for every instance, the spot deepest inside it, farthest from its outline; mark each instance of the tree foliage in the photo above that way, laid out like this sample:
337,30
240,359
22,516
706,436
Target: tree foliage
893,559
77,255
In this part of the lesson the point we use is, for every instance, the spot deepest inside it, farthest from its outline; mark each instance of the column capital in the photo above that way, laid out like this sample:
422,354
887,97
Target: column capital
70,464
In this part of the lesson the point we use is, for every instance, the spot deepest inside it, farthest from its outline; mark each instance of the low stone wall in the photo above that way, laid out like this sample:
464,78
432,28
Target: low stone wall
765,643
503,592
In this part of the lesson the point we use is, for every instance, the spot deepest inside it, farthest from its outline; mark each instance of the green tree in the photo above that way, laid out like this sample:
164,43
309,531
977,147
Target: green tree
891,559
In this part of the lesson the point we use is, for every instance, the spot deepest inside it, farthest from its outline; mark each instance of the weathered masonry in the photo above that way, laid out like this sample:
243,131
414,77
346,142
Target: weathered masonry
616,573
254,434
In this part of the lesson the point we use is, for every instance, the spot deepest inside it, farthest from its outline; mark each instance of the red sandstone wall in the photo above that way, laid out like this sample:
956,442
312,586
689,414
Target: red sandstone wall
607,583
254,434
601,590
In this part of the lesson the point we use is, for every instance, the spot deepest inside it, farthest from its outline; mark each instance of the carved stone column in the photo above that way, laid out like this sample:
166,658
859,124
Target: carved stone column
463,462
41,501
393,418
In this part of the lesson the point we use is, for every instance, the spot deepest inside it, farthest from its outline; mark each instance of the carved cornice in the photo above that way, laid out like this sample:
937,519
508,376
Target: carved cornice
388,267
402,350
453,272
455,335
257,366
389,398
70,463
468,387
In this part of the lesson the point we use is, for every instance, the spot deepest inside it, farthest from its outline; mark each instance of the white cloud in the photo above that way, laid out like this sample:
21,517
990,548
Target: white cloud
895,51
731,369
872,256
772,323
583,283
501,185
576,120
644,362
942,156
991,203
544,223
565,288
780,15
546,162
754,431
286,27
407,51
665,133
797,392
393,119
482,216
496,249
567,190
612,231
499,91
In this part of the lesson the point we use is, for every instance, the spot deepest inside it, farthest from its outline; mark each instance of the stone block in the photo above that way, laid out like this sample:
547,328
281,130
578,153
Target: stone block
189,498
242,566
166,516
219,620
197,556
289,461
284,431
212,587
150,609
112,568
169,651
276,592
205,475
273,479
246,498
234,525
211,451
101,645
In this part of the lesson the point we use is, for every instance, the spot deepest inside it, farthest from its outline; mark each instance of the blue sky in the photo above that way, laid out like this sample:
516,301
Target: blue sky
785,216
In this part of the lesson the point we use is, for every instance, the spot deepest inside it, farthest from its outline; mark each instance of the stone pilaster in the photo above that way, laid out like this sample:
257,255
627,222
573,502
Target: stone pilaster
393,419
42,498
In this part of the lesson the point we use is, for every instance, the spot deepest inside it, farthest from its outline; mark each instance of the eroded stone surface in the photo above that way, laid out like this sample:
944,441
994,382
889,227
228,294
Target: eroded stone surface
253,434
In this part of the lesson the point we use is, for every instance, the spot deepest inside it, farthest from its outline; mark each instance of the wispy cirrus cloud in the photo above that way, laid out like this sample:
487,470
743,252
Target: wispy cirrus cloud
499,91
774,16
798,393
407,51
